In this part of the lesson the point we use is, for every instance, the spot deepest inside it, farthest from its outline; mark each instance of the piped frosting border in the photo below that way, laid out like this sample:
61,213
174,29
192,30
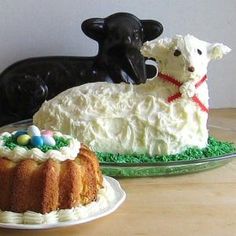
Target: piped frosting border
19,153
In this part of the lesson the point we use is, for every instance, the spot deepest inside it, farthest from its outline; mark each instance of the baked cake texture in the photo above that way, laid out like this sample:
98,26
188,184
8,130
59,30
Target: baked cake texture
166,115
41,178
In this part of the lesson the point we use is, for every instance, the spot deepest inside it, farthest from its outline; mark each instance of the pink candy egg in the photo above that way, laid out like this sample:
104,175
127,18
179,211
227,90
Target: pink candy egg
47,133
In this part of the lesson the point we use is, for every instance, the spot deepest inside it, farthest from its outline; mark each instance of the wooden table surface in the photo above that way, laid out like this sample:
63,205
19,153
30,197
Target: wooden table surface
202,203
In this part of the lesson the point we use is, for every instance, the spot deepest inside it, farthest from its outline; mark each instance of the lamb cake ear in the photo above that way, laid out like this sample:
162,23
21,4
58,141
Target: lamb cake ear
94,28
151,29
156,48
217,50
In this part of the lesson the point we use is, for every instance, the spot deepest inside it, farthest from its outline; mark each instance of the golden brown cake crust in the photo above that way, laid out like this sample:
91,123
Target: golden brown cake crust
50,172
70,185
7,169
92,177
21,188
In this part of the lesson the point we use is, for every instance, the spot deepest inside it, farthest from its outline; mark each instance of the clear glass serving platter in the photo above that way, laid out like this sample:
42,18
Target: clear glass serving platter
159,168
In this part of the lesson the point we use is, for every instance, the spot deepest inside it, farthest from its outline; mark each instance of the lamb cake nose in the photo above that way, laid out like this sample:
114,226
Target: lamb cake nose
191,69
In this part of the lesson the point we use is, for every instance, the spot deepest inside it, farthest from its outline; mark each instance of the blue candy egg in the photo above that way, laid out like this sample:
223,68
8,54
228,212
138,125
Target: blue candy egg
19,133
48,140
33,131
36,141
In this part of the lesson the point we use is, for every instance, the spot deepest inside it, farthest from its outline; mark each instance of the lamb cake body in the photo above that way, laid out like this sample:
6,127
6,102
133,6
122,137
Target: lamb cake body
166,115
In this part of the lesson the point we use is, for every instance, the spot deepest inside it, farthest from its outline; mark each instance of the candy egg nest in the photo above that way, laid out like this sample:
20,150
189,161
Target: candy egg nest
34,138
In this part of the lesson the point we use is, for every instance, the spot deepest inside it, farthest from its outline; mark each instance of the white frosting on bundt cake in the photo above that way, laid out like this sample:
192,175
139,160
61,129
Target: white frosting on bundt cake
19,153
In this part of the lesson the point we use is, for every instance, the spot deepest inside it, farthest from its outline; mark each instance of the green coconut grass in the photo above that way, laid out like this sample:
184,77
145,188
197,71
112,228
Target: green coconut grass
11,143
215,148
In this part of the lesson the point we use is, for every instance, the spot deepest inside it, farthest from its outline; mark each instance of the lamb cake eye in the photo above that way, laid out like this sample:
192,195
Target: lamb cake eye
199,51
177,52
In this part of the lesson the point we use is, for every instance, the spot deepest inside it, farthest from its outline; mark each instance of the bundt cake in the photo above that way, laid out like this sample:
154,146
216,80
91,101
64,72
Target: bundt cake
39,177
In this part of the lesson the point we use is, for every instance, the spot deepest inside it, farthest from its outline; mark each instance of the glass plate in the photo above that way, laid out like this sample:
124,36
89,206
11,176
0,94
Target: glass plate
119,197
158,169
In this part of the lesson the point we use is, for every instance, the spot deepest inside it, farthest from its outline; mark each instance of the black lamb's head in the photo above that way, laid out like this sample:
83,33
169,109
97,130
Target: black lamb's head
120,37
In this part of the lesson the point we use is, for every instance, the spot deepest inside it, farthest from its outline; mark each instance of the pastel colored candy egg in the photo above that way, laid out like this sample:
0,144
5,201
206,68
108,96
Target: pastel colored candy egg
18,133
33,131
48,140
23,139
47,133
37,141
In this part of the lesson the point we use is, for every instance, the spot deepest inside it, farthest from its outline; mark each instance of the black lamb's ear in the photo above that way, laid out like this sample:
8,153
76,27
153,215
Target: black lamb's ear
151,29
94,28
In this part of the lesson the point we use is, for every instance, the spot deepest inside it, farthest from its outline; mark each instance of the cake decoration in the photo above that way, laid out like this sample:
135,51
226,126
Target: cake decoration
166,115
38,145
35,138
215,148
19,132
23,139
187,89
33,131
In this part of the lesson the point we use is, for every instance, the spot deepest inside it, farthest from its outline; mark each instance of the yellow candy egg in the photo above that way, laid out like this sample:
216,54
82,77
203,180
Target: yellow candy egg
23,139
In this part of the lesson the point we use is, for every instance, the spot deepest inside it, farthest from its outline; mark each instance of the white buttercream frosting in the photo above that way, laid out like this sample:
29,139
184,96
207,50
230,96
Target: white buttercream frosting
105,196
124,118
19,153
136,121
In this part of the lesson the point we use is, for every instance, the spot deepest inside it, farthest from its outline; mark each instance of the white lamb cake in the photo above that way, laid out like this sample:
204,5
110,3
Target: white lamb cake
166,115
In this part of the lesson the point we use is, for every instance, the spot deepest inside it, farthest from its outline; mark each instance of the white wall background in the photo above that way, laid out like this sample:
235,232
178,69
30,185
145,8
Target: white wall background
30,28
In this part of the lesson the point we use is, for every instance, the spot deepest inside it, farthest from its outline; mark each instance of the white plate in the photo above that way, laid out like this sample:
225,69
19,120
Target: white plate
112,206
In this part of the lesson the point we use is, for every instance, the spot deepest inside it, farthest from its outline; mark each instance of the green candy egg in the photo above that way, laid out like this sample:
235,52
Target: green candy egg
23,139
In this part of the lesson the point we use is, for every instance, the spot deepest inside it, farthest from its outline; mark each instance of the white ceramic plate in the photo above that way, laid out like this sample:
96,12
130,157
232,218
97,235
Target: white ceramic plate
112,206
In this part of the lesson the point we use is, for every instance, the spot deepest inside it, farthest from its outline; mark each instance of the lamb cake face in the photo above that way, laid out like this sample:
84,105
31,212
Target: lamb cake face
46,177
166,115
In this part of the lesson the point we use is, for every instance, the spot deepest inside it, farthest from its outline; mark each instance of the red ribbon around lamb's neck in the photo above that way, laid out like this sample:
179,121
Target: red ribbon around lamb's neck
178,84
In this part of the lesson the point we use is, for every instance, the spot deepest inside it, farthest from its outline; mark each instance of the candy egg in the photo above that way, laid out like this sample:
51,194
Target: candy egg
36,141
18,133
23,139
48,140
33,131
47,132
